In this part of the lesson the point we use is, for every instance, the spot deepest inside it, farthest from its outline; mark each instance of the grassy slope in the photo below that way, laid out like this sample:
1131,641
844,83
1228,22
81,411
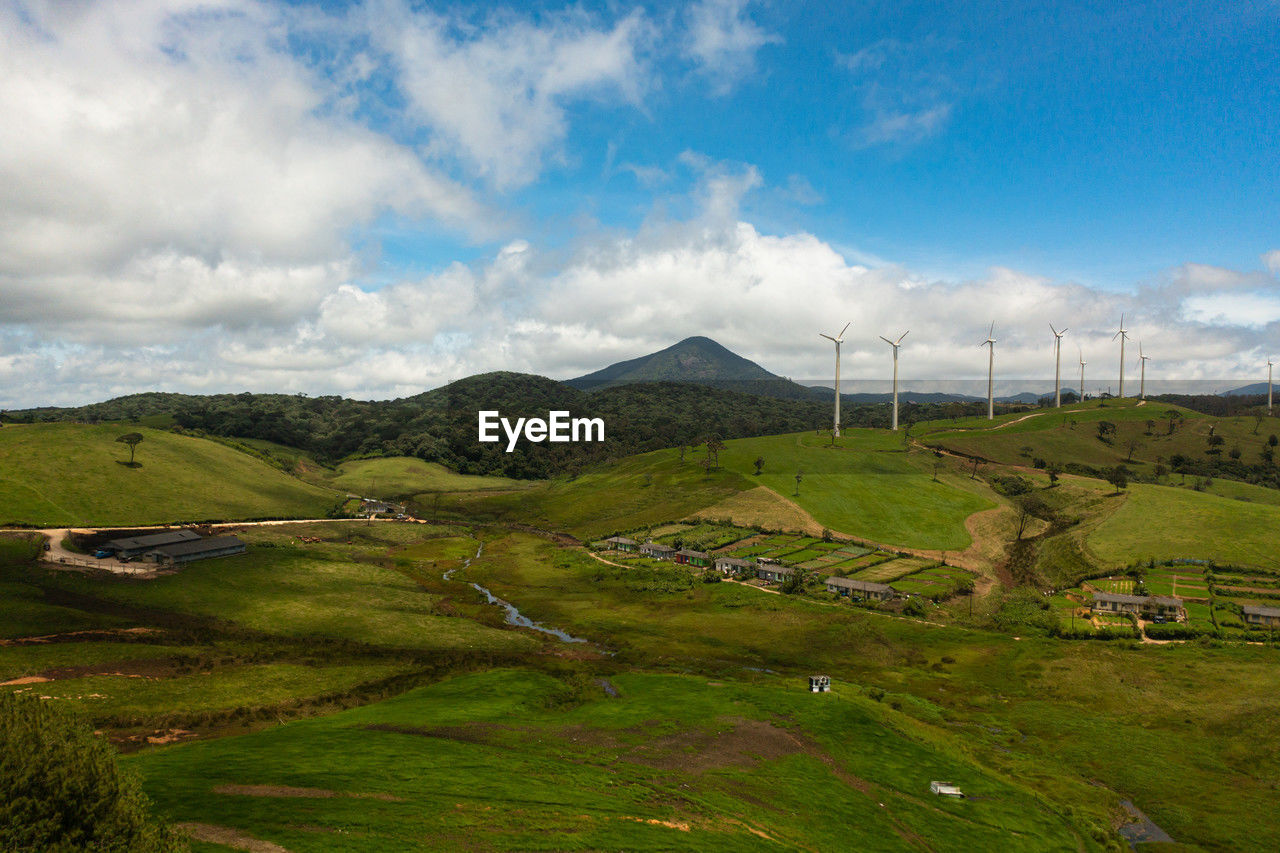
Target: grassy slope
868,485
635,492
1166,523
324,590
670,762
1070,435
401,476
69,474
1183,730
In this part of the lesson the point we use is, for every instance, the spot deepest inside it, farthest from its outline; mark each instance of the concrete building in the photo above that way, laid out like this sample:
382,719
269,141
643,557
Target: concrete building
1262,617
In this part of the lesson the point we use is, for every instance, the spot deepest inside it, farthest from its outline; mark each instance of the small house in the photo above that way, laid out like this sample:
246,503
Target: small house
134,545
687,557
773,572
200,549
861,589
621,543
1264,617
1146,606
657,551
735,566
819,684
1117,602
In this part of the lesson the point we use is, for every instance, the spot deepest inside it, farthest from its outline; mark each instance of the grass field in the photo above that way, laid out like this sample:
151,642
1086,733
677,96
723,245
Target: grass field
1165,524
402,477
867,486
635,493
1071,435
669,762
73,474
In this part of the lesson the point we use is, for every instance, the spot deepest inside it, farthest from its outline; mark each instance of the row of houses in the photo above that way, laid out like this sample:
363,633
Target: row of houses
1159,607
171,547
764,569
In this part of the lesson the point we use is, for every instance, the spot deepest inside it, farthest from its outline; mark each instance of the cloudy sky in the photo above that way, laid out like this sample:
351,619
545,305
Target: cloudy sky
373,198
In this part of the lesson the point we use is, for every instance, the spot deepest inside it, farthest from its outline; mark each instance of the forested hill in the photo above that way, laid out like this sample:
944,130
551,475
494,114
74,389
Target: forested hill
441,425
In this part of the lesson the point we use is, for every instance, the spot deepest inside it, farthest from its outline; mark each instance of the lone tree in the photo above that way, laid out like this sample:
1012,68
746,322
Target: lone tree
1118,477
759,463
799,477
131,439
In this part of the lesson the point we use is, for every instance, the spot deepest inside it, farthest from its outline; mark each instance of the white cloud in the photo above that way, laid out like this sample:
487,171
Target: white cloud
723,40
907,92
495,98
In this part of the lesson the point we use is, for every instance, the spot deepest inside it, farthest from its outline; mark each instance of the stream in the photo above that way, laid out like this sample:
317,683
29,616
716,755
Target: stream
514,616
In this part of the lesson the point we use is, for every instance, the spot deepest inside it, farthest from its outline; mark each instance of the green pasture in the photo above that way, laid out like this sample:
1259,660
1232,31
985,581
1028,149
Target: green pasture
63,474
406,476
360,592
670,762
1164,524
635,493
868,486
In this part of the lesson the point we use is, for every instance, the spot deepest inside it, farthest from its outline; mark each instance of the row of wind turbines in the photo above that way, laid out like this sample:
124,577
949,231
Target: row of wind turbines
990,342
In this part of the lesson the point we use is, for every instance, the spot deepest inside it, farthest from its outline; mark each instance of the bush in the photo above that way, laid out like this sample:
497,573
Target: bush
60,789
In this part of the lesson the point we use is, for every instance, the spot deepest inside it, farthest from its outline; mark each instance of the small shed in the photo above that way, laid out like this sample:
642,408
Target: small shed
945,789
819,684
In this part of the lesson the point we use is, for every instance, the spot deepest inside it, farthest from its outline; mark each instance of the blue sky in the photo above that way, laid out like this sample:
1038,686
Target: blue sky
372,198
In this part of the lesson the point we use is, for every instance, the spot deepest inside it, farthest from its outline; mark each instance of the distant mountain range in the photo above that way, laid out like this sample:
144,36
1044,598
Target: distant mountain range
702,361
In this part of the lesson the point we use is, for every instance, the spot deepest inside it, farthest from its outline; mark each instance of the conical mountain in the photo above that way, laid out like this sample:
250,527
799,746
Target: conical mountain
698,360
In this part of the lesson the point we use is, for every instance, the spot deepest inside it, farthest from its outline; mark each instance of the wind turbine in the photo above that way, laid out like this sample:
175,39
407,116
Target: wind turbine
1122,334
1269,386
1142,388
895,345
1082,364
1057,365
991,367
837,340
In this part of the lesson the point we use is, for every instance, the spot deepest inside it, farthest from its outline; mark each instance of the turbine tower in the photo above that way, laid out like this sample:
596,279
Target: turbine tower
991,367
1082,364
1269,386
1142,388
837,340
1122,334
895,345
1057,365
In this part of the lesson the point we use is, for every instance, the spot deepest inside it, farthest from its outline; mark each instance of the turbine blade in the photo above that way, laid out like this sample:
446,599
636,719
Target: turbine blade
886,340
846,328
828,337
904,334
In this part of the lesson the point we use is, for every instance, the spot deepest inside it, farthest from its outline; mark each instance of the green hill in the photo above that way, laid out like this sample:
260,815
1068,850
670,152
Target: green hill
1168,524
75,474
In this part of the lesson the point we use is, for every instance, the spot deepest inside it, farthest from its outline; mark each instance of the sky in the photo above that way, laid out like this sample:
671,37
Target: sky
374,198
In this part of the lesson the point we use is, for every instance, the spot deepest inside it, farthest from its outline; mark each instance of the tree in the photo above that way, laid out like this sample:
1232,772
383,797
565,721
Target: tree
714,446
1174,416
799,477
759,463
60,788
132,439
1132,445
794,583
1029,506
1054,470
1105,430
1118,477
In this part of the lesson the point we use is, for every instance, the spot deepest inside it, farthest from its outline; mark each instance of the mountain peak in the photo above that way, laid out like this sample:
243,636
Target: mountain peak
694,359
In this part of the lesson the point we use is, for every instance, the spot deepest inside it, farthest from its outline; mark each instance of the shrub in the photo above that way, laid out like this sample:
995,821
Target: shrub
60,788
